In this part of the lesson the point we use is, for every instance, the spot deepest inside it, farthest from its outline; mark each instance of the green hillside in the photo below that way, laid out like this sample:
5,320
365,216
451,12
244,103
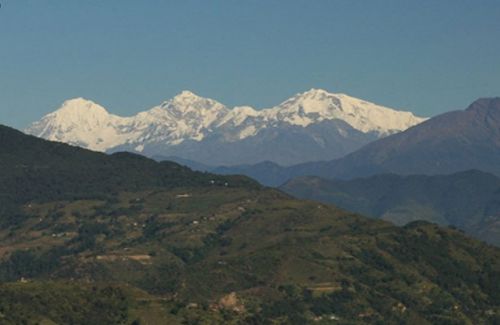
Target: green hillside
468,200
158,244
35,169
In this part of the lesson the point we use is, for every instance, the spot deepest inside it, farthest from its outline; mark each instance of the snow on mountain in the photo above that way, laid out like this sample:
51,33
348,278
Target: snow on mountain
188,117
194,115
317,105
238,115
81,122
84,123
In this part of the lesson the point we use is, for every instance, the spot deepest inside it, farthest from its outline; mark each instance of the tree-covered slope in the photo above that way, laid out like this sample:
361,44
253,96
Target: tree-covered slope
194,252
468,200
35,169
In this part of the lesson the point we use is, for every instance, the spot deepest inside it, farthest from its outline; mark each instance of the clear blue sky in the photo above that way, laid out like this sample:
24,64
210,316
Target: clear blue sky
424,56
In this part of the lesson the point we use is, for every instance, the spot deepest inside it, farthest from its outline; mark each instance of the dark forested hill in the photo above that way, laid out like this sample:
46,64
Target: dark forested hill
35,169
468,200
122,239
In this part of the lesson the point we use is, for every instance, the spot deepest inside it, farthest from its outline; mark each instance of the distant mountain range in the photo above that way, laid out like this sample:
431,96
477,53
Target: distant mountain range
448,143
468,200
311,126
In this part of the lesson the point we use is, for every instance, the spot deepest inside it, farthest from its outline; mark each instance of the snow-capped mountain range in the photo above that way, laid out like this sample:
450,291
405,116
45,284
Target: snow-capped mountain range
314,125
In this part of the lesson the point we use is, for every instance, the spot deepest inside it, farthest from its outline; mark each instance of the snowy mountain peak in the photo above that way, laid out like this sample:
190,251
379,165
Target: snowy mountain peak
187,95
194,111
316,105
187,119
80,101
78,111
82,106
238,115
79,122
187,101
314,92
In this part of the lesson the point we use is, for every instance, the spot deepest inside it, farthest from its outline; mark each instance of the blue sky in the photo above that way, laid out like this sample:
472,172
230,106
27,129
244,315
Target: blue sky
424,56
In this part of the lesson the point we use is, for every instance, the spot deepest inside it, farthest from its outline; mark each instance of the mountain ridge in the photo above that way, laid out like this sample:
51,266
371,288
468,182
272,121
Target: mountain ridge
468,200
181,126
451,142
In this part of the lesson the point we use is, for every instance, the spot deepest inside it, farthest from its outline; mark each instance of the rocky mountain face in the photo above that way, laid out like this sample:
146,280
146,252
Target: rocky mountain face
314,125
